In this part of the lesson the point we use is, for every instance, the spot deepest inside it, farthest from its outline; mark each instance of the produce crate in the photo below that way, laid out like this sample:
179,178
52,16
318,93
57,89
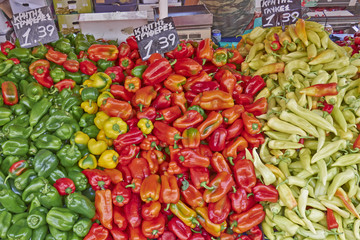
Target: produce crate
18,6
76,6
194,34
150,8
68,23
115,5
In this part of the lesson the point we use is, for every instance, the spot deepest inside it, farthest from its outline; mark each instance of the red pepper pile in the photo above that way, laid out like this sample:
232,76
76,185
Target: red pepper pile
188,178
353,42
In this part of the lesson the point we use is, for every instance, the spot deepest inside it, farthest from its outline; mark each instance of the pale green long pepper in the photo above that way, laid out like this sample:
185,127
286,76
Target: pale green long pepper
312,148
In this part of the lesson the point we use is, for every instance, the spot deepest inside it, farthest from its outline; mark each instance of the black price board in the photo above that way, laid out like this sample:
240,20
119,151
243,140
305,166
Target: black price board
35,26
156,37
280,12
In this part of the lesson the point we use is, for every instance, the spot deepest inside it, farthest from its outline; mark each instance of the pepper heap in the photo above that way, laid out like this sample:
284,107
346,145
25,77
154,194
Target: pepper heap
310,153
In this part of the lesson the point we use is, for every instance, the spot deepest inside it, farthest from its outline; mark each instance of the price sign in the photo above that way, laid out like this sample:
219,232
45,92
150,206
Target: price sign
35,26
156,37
280,12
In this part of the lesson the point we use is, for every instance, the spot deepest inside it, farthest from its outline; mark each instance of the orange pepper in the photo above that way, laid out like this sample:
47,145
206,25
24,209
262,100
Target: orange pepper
231,114
132,84
207,127
170,192
252,125
216,100
104,207
150,188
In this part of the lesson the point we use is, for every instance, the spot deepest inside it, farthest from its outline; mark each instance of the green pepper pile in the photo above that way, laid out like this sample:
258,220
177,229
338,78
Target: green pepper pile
38,142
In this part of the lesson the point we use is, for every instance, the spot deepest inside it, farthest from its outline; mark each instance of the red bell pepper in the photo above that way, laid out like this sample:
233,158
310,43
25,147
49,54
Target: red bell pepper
205,50
234,56
42,76
219,164
199,87
231,114
107,52
133,211
124,50
244,173
178,99
153,228
66,83
201,77
243,99
56,57
134,136
115,175
9,93
17,168
126,63
207,127
191,195
257,108
97,232
88,67
150,210
200,177
119,92
241,201
191,118
218,187
187,67
139,168
15,60
234,146
165,133
181,230
143,97
97,178
37,63
132,42
242,222
163,100
251,124
235,129
254,140
168,115
136,233
255,233
118,234
116,108
170,192
120,194
181,51
190,138
127,154
190,158
149,113
6,47
167,235
217,139
71,65
115,73
65,186
255,84
104,207
266,193
219,211
157,72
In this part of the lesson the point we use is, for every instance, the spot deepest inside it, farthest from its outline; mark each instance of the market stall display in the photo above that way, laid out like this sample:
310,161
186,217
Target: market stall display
202,143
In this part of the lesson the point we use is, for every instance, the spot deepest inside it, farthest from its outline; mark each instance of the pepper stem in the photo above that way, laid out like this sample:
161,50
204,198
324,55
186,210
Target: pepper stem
130,185
167,207
203,184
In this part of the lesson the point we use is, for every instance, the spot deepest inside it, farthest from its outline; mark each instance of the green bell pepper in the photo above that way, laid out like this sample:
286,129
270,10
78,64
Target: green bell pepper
5,67
35,203
34,91
17,131
45,162
20,71
59,172
72,56
39,51
19,216
5,114
71,101
64,132
82,226
69,155
48,141
63,45
32,149
18,109
23,54
76,76
89,193
90,94
24,179
87,120
58,234
13,188
49,237
61,218
8,162
80,204
40,128
37,217
57,74
27,102
39,110
138,71
22,120
11,201
40,233
76,112
13,79
57,119
33,189
15,146
19,231
5,222
104,64
3,183
50,197
91,130
79,180
81,46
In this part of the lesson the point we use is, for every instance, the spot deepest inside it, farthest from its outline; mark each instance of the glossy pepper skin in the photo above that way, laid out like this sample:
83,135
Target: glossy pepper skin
97,232
189,158
242,222
218,187
133,211
240,200
191,118
211,227
266,193
190,138
219,211
170,192
62,219
134,136
157,72
255,84
191,195
106,52
181,230
184,213
187,67
153,228
104,207
166,133
65,186
116,108
220,57
208,126
97,178
205,50
9,93
216,100
150,188
80,204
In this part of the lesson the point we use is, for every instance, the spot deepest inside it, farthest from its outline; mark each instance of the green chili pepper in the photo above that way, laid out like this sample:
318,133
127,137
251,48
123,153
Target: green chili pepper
19,231
5,67
11,201
82,227
23,180
80,204
328,150
48,141
138,71
61,218
5,222
45,162
57,74
50,197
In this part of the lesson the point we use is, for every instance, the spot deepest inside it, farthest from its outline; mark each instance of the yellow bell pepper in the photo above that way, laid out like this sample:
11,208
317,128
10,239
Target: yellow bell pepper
81,139
88,83
97,147
100,119
101,81
102,97
88,162
89,108
108,159
114,126
145,125
101,136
